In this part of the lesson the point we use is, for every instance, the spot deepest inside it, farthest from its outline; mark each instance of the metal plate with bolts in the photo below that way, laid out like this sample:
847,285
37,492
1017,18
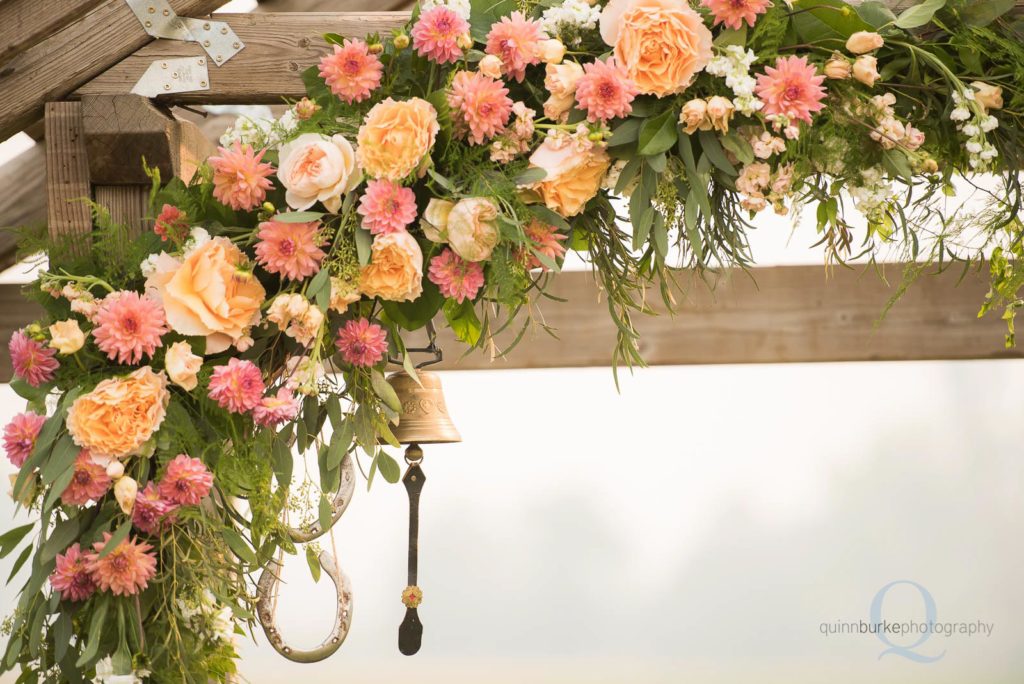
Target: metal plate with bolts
157,17
179,75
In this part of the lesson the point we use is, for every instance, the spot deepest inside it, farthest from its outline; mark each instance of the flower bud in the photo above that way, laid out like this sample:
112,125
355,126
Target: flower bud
552,51
490,66
838,68
987,96
865,70
268,207
115,470
125,491
465,41
401,41
375,48
304,109
864,41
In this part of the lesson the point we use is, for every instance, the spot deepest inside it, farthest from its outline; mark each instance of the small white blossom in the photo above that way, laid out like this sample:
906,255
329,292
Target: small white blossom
989,123
460,7
960,114
575,15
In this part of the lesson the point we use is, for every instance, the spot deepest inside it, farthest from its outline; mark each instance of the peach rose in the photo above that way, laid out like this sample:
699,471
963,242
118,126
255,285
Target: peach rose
661,43
987,95
560,80
865,70
837,68
66,337
575,168
314,167
208,293
490,65
552,51
396,137
120,415
720,111
472,230
864,41
182,365
395,271
343,293
695,116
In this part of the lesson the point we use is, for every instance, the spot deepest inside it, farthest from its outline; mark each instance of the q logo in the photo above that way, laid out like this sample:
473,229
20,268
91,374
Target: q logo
907,652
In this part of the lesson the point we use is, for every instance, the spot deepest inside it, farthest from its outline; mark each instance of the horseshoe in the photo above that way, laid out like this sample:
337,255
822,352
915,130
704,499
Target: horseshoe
338,505
342,620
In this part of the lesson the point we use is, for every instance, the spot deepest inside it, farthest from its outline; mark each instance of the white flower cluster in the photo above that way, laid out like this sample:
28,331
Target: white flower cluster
208,616
873,194
460,7
105,674
973,122
734,66
572,16
260,132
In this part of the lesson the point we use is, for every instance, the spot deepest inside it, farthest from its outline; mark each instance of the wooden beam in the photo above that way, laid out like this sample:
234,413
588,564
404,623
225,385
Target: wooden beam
278,48
24,198
785,314
53,68
23,23
67,174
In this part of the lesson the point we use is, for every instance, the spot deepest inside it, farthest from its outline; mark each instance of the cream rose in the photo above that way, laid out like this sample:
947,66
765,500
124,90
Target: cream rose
837,68
695,116
209,293
396,138
864,41
395,271
560,81
182,365
314,167
126,490
662,44
490,65
435,219
472,230
120,415
865,70
987,96
552,51
66,337
575,169
720,111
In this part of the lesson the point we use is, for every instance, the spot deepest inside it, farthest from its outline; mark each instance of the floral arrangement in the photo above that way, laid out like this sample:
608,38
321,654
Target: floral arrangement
445,170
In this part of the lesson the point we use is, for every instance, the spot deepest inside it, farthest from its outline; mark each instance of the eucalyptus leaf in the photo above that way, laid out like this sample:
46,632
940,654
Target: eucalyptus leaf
364,242
919,15
530,176
626,132
238,545
65,451
120,534
383,389
325,514
65,532
313,561
299,216
714,152
13,537
658,134
23,557
388,467
984,12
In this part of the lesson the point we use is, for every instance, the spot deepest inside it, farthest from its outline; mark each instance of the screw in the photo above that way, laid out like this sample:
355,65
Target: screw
206,26
202,61
206,43
235,45
202,83
219,59
167,13
224,31
167,86
174,75
149,24
152,10
163,65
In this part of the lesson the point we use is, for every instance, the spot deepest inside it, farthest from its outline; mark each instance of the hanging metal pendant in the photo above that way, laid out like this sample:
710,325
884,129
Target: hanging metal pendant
410,633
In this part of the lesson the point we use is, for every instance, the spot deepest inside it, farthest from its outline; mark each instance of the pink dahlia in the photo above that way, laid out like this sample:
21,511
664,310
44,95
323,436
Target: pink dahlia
792,88
128,326
456,277
126,570
387,207
186,482
151,510
290,249
31,361
276,409
171,224
516,40
237,386
351,72
436,34
20,436
733,13
240,177
605,90
89,482
362,343
546,241
71,576
481,105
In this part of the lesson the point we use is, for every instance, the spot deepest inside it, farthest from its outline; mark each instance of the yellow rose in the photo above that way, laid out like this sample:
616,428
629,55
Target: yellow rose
395,271
864,41
182,365
314,167
661,43
575,169
396,137
560,80
208,293
120,415
490,65
66,337
472,230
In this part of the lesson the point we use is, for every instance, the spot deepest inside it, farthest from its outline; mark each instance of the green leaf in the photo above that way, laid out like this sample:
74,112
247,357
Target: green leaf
658,134
416,314
239,545
334,411
313,561
341,442
383,389
714,152
22,558
388,467
92,644
629,172
62,458
549,217
299,216
364,242
463,321
731,36
876,13
11,538
690,221
325,513
896,163
531,175
984,12
120,534
738,145
63,534
643,228
57,488
626,132
283,462
839,16
62,630
444,183
919,15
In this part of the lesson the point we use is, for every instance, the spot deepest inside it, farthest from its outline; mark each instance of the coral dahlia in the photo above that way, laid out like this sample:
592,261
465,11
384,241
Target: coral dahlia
128,326
20,436
31,361
733,13
605,91
792,88
237,386
276,409
456,277
546,241
436,34
151,510
186,482
351,71
386,207
88,483
362,343
291,250
517,41
126,570
480,104
240,177
71,575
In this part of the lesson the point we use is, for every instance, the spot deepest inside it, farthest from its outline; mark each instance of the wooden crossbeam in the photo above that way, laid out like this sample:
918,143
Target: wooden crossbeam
54,67
278,48
785,314
23,23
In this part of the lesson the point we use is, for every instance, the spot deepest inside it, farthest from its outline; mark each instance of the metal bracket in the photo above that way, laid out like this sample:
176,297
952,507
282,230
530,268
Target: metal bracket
180,75
157,17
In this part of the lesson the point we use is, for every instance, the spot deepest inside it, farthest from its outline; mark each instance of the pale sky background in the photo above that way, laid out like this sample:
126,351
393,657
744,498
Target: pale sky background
698,526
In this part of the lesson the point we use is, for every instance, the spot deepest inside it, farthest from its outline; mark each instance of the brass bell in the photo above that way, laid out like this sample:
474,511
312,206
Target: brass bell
424,416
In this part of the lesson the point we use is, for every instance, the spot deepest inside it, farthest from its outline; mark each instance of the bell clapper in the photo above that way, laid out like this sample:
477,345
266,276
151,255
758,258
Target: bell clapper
410,633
